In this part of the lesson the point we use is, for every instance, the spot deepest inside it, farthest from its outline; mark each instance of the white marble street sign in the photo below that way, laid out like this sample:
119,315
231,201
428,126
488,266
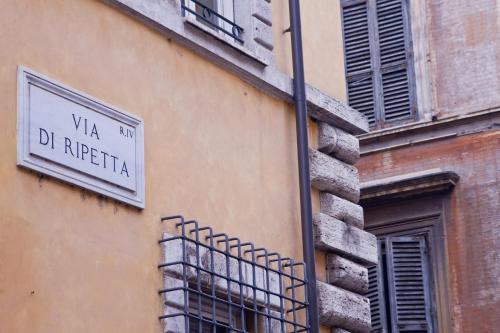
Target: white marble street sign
74,137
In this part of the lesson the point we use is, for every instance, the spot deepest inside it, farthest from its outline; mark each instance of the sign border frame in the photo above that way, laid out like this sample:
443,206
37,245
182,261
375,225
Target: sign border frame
25,77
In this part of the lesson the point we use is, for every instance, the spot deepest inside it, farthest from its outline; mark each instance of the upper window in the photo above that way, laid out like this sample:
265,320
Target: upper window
216,14
378,60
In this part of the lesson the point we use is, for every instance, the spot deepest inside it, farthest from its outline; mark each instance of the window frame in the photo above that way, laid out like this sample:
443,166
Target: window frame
225,8
385,277
425,216
376,70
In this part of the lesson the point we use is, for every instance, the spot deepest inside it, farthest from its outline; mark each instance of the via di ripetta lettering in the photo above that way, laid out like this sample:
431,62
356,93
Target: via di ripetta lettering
80,150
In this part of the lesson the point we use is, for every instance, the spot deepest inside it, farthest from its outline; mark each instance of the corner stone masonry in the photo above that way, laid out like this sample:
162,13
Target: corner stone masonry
338,229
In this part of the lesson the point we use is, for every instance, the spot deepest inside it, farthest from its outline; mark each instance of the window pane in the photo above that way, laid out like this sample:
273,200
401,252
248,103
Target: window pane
205,10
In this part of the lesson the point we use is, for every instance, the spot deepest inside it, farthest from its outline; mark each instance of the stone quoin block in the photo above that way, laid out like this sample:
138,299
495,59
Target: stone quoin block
263,34
339,330
346,274
341,209
337,143
261,10
344,309
335,236
333,176
328,109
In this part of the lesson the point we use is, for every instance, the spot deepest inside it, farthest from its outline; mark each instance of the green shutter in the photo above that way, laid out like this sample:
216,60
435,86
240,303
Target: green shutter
376,295
408,284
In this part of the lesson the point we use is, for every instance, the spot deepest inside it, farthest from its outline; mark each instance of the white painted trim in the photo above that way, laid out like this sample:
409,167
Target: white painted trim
27,77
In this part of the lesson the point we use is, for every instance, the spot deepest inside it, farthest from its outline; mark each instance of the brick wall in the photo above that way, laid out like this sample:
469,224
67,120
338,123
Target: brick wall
464,48
473,226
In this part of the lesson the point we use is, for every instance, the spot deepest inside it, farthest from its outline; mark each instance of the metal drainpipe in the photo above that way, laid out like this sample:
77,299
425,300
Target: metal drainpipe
303,157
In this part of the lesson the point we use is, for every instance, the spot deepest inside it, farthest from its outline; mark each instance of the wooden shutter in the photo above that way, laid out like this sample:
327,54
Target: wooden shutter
408,284
376,295
395,59
378,59
358,58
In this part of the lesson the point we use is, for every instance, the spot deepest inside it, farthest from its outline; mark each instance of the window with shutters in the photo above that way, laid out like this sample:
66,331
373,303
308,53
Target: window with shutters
378,60
399,287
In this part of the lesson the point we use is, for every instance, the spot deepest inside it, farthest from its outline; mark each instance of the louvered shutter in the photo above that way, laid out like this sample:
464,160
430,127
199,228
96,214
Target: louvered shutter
378,59
408,284
395,66
358,59
376,295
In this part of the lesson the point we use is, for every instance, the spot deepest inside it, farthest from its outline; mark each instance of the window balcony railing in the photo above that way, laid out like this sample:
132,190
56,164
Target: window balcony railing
216,283
213,19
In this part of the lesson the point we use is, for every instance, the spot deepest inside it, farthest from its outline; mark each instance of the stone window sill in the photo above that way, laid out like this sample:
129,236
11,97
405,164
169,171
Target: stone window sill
196,26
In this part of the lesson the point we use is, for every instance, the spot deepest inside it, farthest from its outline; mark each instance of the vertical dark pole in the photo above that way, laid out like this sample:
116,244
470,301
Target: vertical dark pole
303,157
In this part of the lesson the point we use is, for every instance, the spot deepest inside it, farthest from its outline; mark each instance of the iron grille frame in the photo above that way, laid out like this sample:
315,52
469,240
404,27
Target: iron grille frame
291,315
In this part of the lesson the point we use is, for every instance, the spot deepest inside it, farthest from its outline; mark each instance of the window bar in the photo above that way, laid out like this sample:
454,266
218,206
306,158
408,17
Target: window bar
236,30
240,275
293,286
228,273
290,288
282,305
198,282
254,291
262,261
212,278
268,296
272,293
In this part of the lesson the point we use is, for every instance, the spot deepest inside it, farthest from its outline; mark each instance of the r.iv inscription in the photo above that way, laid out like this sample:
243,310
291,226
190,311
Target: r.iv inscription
128,133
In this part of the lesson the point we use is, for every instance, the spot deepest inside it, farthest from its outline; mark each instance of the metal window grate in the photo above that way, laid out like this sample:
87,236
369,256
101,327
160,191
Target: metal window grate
213,19
216,283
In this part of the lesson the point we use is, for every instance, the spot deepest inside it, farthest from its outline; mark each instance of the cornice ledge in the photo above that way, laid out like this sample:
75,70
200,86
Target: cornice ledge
427,131
164,17
408,185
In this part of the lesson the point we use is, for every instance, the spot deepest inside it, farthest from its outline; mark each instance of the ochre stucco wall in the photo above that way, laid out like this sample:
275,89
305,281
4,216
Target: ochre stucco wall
322,42
216,149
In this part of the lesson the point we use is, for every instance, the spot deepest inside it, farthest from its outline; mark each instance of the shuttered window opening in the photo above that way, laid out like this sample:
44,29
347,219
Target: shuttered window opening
361,96
399,287
378,60
376,295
